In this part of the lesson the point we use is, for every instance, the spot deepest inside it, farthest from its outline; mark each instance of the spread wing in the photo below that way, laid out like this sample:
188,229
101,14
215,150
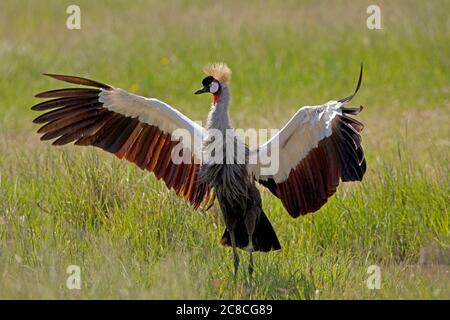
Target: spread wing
317,148
132,127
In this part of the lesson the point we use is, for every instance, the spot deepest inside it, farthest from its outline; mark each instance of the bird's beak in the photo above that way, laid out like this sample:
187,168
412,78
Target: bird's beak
201,90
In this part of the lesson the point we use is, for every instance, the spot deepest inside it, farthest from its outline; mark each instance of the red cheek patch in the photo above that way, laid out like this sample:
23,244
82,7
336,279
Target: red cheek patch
216,97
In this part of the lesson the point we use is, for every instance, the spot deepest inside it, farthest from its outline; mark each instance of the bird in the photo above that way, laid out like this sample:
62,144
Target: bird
316,149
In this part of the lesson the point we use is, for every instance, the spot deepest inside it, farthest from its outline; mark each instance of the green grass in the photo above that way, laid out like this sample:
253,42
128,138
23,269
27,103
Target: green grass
133,238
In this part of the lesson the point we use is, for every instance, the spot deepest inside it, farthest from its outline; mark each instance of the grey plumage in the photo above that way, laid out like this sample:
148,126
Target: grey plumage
247,227
231,178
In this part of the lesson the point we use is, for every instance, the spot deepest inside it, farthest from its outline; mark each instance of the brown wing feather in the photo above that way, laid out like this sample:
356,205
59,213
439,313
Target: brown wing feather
75,114
68,92
315,179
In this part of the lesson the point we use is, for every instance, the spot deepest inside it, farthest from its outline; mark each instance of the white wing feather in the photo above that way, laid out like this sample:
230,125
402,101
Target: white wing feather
302,133
153,112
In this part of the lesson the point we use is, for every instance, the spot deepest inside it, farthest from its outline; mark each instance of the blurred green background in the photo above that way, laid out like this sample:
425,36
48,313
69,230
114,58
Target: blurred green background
134,239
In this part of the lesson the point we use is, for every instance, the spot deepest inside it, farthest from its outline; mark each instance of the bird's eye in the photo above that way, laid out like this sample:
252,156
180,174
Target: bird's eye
213,87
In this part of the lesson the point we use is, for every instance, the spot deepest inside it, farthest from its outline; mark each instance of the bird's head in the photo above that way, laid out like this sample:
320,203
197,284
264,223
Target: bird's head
218,77
210,85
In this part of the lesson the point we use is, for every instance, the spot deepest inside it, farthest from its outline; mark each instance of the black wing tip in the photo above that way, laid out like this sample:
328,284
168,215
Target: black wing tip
353,110
358,85
56,76
77,80
52,75
360,79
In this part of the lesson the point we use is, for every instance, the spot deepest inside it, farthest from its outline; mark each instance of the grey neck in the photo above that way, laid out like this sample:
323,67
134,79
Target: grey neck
218,116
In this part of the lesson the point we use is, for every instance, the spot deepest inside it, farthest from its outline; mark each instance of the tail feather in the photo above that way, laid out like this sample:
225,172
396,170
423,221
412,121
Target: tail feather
264,237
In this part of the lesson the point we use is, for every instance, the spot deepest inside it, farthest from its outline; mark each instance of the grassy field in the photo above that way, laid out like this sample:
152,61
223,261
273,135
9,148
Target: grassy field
134,239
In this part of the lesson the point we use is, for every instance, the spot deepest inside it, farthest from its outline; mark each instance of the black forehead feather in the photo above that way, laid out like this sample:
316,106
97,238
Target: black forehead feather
207,81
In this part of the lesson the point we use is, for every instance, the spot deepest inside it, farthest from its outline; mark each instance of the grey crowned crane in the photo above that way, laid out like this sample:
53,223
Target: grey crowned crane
318,147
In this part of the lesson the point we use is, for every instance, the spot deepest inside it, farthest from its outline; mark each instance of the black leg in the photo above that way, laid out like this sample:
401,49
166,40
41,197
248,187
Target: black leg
250,265
235,254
